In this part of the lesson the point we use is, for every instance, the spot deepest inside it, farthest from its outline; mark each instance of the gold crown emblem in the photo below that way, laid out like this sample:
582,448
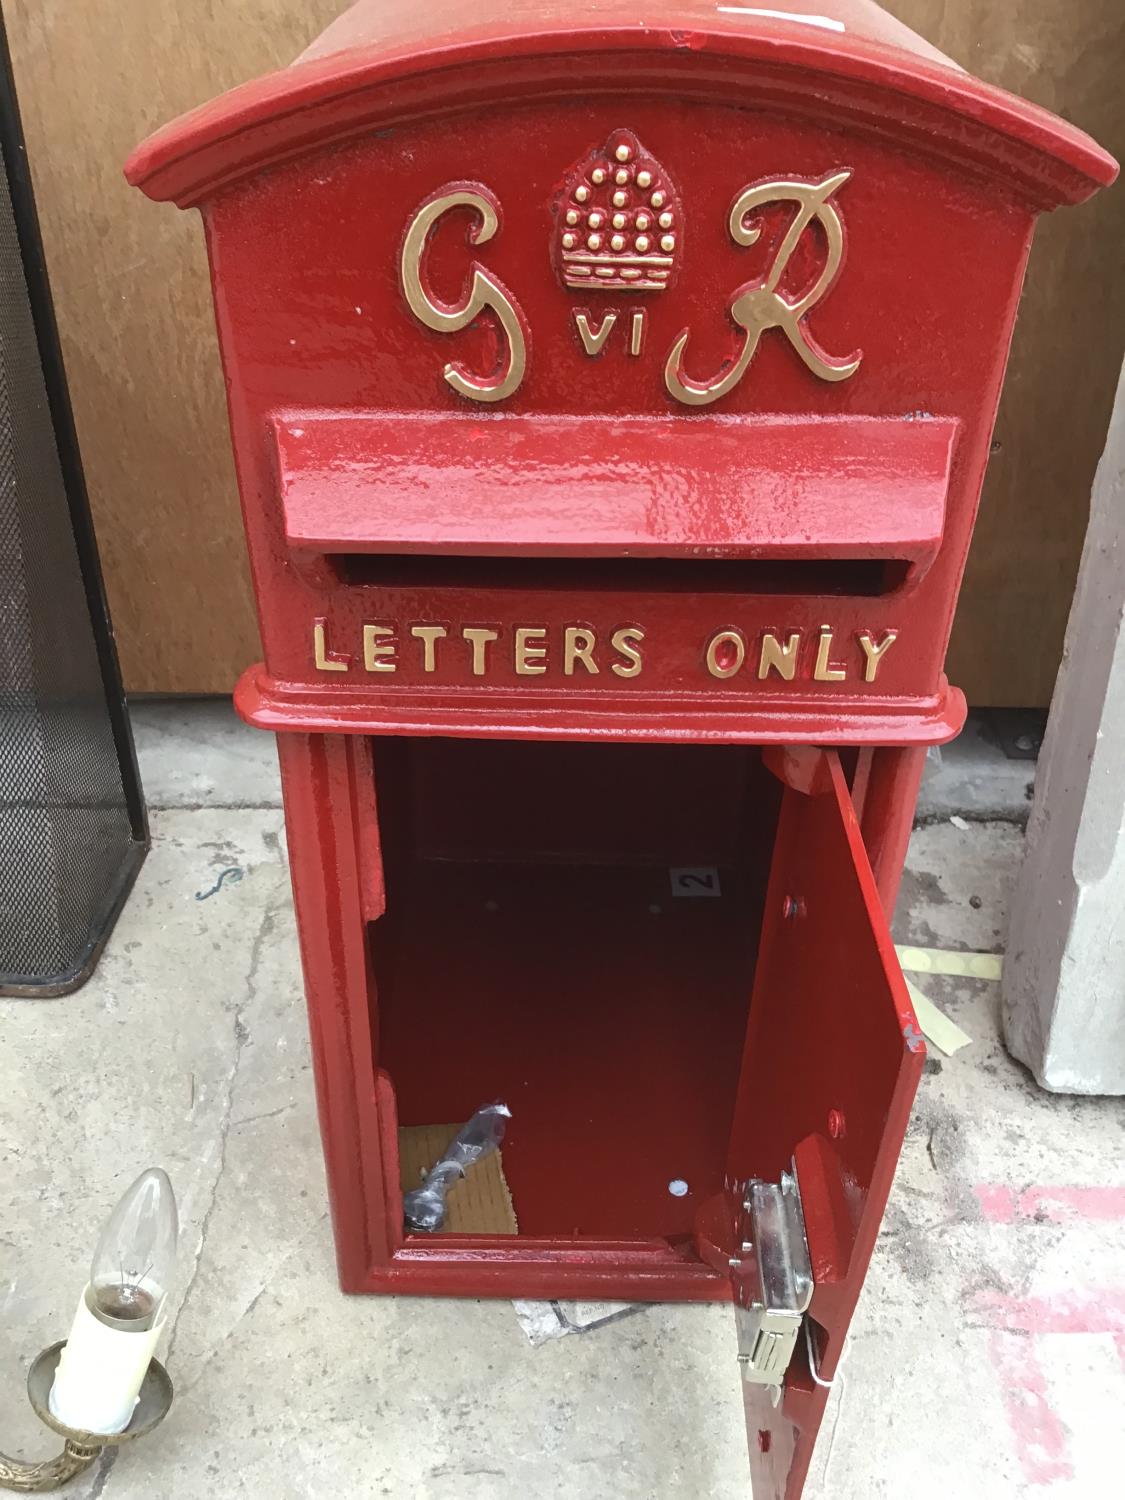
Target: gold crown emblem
619,225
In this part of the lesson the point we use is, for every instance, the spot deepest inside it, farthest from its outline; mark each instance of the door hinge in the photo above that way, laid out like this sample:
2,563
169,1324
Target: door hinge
774,1283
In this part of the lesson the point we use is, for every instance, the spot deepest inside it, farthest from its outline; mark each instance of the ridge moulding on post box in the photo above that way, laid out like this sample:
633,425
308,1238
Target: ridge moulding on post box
610,400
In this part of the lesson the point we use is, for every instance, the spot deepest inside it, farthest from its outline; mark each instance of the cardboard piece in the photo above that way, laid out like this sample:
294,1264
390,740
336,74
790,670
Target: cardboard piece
480,1203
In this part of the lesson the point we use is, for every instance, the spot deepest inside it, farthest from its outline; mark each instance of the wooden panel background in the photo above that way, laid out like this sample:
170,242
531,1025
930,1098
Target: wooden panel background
133,304
1068,55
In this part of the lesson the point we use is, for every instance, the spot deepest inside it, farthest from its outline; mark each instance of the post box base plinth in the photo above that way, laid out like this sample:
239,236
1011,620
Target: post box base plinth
586,1273
290,707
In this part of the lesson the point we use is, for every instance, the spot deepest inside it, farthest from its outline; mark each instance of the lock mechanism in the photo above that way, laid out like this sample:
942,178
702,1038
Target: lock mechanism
775,1282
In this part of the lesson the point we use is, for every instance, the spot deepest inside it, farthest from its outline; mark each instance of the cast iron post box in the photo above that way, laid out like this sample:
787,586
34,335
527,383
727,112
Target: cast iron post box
610,399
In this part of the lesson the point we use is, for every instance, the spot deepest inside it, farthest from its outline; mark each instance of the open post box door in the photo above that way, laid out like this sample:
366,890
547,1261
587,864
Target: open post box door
833,1058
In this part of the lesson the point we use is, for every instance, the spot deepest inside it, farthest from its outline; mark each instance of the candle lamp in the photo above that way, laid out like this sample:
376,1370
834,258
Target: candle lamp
101,1387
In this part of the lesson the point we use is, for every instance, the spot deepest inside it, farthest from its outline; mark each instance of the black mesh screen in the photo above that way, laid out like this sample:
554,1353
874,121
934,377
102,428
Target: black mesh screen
71,822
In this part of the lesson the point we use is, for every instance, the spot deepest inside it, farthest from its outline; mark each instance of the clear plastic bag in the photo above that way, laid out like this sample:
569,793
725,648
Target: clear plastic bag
424,1207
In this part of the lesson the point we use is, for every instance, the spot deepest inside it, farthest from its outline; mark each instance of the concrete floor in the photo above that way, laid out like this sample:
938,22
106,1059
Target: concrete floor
987,1358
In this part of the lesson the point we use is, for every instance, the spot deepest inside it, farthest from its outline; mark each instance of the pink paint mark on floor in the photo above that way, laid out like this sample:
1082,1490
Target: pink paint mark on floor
1016,1324
1049,1205
997,1203
1042,1441
1066,1312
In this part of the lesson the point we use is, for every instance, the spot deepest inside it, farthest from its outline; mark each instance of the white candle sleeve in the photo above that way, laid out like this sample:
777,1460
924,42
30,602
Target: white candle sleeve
100,1372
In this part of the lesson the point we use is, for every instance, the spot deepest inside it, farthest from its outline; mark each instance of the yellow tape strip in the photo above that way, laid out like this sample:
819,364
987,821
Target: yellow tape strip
936,1026
948,961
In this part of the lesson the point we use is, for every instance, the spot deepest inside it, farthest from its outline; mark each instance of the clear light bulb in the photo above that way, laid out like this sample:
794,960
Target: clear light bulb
133,1264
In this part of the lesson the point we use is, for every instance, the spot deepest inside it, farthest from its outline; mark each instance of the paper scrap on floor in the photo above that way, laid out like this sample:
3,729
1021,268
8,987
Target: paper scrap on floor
950,961
544,1321
935,1025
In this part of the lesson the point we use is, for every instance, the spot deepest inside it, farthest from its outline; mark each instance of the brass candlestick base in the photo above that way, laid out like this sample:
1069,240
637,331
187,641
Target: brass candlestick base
80,1448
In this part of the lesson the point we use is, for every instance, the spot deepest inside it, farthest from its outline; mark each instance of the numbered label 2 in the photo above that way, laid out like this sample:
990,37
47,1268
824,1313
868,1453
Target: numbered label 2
695,880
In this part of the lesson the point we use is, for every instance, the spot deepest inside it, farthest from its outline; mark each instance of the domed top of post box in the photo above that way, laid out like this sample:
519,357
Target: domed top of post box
388,61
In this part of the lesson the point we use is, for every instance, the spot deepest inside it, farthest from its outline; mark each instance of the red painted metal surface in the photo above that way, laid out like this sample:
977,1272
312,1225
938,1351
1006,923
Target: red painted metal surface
322,781
529,656
579,487
890,796
831,1016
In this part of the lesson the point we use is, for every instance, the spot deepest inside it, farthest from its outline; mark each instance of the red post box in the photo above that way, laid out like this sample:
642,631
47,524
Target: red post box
610,400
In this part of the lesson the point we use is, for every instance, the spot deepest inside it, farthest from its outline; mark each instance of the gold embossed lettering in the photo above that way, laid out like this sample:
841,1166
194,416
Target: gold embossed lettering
327,661
578,646
726,651
760,305
485,292
637,332
778,658
478,638
380,648
593,339
531,654
824,671
873,654
626,641
429,635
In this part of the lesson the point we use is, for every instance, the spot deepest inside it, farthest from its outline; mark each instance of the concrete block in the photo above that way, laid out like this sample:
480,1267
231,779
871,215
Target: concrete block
1064,980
